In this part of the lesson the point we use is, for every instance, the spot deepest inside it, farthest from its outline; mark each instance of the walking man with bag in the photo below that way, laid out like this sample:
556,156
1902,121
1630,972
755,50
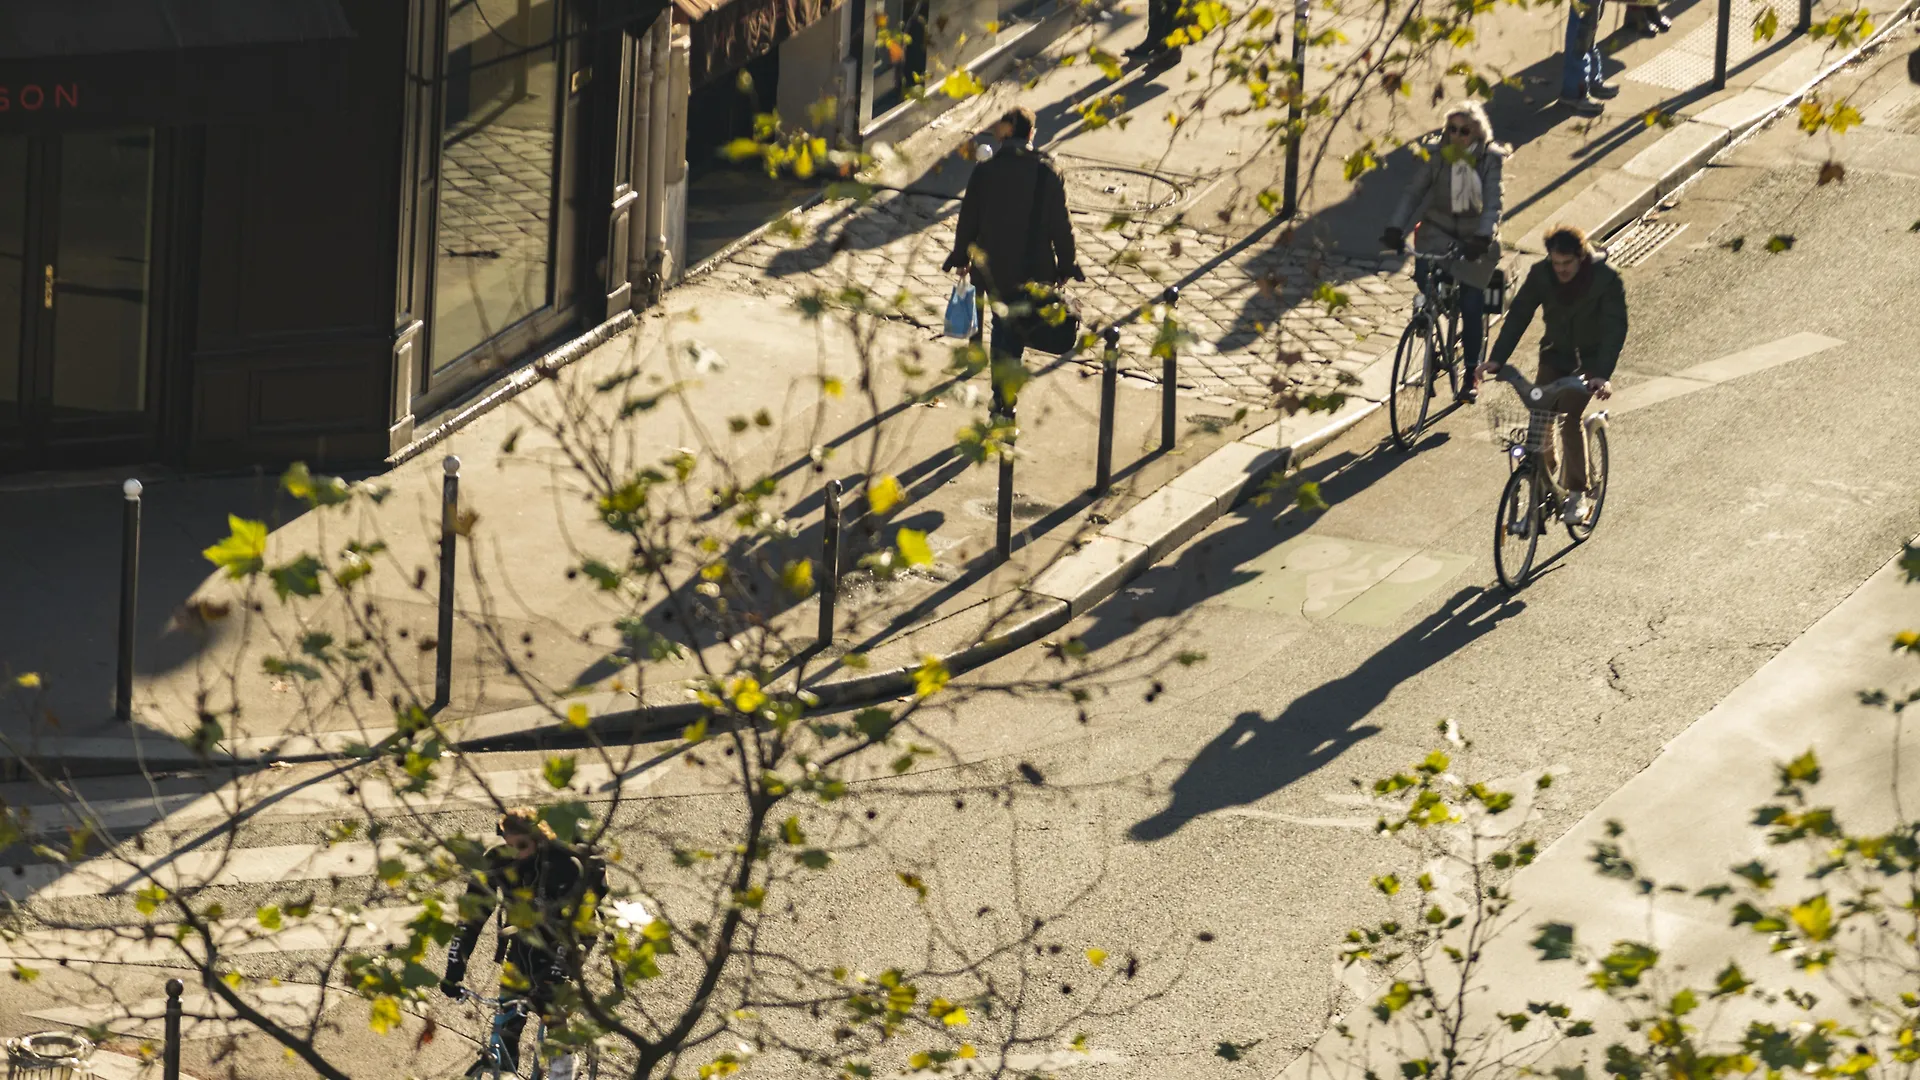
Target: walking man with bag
1014,236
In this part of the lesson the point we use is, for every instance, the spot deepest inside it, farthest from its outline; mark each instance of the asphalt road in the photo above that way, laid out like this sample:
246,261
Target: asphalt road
1219,797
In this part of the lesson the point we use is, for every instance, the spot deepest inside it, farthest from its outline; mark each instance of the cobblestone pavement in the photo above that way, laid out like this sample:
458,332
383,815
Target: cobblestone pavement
898,241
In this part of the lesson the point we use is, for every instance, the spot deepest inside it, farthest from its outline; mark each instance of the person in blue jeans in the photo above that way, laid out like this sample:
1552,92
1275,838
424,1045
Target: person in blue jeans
1583,74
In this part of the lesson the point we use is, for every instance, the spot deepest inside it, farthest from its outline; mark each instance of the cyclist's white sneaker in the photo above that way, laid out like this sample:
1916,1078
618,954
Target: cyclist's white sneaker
1575,511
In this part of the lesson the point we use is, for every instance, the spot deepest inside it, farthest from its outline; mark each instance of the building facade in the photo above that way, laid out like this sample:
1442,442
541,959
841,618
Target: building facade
236,233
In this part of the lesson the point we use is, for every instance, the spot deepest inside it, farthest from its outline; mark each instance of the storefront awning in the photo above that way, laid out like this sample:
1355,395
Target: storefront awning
727,34
72,62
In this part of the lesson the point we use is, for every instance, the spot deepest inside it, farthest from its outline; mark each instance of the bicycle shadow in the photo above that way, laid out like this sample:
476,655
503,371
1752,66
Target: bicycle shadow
1256,756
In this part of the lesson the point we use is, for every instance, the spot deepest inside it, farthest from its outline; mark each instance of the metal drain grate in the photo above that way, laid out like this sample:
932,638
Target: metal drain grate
1640,242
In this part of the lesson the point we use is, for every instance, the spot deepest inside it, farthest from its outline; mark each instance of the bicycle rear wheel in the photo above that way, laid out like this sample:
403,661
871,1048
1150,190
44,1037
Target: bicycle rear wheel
1411,391
1597,469
1516,529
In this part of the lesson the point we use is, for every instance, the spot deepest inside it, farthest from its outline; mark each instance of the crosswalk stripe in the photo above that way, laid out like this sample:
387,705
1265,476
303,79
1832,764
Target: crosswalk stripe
371,929
317,796
204,1016
196,869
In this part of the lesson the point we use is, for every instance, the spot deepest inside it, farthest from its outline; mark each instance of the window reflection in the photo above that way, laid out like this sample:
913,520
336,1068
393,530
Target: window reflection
13,265
494,251
100,314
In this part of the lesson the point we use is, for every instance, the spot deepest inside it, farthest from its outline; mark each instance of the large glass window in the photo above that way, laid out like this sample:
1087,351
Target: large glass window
494,254
13,267
105,254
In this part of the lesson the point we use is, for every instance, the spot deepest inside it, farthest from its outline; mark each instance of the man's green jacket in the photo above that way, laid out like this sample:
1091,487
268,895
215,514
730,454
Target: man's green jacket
1586,319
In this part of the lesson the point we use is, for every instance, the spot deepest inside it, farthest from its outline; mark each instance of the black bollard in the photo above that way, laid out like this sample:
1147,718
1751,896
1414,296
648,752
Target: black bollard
1169,372
1720,31
170,1061
129,595
449,525
1109,390
1290,195
829,562
1004,409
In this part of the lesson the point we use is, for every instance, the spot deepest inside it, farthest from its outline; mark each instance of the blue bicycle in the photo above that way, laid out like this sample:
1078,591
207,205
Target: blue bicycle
505,1011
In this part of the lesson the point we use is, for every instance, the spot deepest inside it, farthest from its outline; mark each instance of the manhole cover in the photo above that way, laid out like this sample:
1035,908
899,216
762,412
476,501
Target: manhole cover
1024,508
1639,243
1110,189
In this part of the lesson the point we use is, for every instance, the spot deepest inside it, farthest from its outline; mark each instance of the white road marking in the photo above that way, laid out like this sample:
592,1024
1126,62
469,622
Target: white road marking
205,1016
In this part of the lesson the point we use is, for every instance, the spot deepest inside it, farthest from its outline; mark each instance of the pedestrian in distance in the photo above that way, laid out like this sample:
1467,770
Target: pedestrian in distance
1583,75
1643,17
1456,198
1583,303
1154,48
1014,235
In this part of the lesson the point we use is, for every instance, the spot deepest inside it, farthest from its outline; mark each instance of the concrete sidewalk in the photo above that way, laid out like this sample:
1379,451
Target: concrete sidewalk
1688,820
1240,279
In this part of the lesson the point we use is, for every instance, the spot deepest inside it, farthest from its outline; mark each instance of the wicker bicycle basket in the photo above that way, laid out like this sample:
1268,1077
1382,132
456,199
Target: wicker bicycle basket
1513,424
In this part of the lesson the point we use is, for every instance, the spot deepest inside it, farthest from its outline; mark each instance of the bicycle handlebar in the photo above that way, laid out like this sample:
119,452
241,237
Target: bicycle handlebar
1536,396
513,1004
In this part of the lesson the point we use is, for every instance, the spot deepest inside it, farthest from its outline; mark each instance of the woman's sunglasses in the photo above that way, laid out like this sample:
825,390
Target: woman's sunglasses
1458,129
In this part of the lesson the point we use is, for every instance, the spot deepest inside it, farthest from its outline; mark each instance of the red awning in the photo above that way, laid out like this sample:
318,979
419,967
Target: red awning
727,34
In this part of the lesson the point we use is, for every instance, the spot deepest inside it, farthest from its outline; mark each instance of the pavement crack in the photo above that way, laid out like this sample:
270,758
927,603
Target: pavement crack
1616,675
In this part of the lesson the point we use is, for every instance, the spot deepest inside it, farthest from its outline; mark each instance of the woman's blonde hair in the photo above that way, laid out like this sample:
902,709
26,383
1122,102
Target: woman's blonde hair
524,821
1477,113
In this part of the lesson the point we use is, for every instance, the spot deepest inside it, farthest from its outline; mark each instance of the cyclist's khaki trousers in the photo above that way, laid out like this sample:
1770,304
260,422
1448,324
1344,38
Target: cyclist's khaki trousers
1573,439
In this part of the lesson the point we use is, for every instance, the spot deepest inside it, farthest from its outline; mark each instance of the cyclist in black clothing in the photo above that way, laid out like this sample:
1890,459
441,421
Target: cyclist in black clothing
532,865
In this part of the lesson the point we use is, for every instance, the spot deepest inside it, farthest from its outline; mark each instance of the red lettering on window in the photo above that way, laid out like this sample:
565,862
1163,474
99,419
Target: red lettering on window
66,97
6,103
32,97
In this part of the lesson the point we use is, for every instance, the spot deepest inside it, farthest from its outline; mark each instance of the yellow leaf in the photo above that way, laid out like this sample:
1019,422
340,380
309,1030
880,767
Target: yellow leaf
386,1015
746,694
884,494
742,149
966,1051
834,387
930,676
1096,957
577,715
797,578
961,84
29,681
696,731
956,1018
913,547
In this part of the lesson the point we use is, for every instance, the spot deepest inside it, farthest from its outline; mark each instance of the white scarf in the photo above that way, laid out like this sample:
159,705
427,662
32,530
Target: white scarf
1468,196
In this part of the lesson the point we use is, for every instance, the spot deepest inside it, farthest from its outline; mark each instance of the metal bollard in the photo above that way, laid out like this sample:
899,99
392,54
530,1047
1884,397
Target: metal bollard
170,1062
1169,373
1109,390
1290,195
829,562
449,523
129,596
1719,43
1004,409
1806,15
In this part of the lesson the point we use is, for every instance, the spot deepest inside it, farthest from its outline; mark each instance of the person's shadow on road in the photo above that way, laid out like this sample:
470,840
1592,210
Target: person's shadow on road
1255,757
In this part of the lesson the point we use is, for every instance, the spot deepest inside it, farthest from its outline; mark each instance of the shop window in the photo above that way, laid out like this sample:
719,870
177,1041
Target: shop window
500,128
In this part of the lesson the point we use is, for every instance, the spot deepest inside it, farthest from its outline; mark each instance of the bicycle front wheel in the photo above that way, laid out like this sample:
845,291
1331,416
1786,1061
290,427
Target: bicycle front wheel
1597,469
1411,390
1516,529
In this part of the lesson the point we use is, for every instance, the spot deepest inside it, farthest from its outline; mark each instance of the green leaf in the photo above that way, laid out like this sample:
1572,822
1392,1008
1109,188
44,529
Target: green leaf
1766,24
314,490
559,771
913,547
243,553
815,859
301,577
274,665
1307,497
1624,966
884,494
565,818
1555,941
1814,917
1730,981
577,715
1683,1003
1779,242
695,732
149,899
268,916
24,974
603,575
1388,884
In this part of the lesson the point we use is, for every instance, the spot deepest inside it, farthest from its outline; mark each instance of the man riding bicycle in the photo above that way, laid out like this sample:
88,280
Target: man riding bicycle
1456,196
531,866
1584,306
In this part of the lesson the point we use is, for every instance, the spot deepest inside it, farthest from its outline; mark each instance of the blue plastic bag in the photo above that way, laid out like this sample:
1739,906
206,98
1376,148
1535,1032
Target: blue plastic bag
962,314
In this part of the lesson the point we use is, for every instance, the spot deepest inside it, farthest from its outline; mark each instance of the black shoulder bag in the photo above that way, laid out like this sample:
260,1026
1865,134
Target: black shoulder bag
1054,325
